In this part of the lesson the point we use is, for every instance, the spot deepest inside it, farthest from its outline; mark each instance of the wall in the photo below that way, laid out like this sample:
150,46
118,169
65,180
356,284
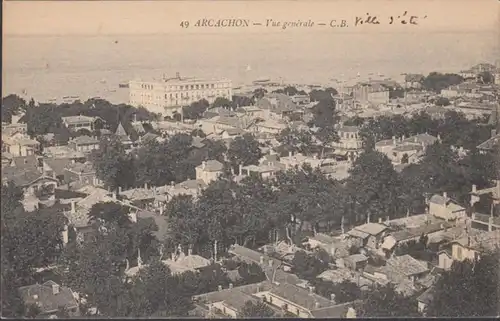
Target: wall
280,302
206,176
445,262
461,253
439,211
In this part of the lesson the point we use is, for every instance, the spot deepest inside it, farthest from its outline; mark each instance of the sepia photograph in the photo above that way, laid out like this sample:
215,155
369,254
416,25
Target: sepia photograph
250,159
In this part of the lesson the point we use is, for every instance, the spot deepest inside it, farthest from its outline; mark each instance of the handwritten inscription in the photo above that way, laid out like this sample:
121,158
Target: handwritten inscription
368,19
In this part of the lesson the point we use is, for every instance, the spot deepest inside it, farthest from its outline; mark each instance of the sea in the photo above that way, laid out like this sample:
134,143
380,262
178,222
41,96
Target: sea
52,67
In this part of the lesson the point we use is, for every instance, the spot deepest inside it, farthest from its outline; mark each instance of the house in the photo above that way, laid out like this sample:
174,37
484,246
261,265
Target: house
301,302
233,304
84,144
490,145
409,267
63,152
181,263
370,93
209,171
300,99
76,123
33,182
265,171
341,274
149,137
355,262
413,147
19,144
268,126
471,247
84,173
50,298
277,106
370,233
124,137
350,143
219,304
436,112
191,187
55,167
443,207
414,81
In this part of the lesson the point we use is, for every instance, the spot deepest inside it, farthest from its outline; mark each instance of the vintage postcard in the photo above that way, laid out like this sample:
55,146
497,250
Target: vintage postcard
250,159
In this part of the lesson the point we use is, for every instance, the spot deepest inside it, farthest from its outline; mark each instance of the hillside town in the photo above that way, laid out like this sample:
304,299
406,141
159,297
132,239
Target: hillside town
198,199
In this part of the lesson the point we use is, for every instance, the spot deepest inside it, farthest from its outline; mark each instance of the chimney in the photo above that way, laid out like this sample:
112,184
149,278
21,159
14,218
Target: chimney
493,132
474,188
161,210
65,235
311,290
241,169
230,285
380,220
270,263
219,288
172,256
145,185
490,223
73,207
316,305
265,249
172,183
445,195
261,259
394,141
387,219
402,137
177,75
368,218
290,154
203,165
332,297
55,289
119,189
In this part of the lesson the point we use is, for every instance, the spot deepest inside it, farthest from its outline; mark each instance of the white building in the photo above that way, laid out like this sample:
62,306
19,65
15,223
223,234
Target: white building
168,95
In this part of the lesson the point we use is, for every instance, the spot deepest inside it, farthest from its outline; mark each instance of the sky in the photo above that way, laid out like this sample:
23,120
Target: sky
157,17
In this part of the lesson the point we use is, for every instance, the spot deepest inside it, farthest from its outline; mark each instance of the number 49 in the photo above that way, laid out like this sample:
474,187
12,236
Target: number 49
184,24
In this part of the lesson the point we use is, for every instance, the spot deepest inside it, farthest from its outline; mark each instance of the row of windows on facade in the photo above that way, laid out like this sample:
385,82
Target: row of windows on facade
186,95
188,87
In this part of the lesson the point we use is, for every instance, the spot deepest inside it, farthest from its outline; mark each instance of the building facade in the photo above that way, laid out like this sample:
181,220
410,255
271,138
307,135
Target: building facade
168,95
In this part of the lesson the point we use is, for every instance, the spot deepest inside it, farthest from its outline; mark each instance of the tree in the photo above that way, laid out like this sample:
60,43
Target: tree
373,186
436,81
404,159
251,273
196,109
469,289
43,119
259,93
12,105
96,269
110,212
222,102
256,310
294,141
343,292
244,150
241,100
307,267
486,77
110,162
442,101
384,301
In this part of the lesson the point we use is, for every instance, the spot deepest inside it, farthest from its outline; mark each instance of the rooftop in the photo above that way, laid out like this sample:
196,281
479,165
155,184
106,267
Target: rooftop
408,265
300,296
77,119
42,294
371,228
211,166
